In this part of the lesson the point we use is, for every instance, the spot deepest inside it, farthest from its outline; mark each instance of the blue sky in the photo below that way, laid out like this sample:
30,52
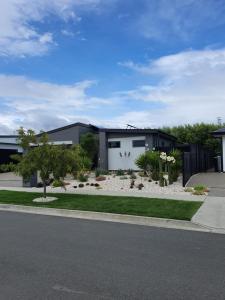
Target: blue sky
148,63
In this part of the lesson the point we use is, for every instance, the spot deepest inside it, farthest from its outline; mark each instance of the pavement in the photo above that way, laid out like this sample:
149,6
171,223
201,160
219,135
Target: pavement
47,257
211,213
10,180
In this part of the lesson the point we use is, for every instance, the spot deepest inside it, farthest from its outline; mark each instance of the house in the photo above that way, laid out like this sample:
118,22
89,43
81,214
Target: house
118,148
220,133
8,146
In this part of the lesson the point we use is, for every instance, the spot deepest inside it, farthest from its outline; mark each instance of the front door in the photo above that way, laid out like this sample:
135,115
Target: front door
123,152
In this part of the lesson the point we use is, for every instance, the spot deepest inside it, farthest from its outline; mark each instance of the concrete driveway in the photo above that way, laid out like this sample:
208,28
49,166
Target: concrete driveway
214,181
10,180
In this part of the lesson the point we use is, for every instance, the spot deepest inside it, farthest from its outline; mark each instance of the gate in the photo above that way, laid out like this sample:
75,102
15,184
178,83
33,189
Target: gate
197,159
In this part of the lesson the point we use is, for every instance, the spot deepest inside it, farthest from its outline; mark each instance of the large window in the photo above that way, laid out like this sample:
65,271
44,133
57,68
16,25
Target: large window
114,144
138,143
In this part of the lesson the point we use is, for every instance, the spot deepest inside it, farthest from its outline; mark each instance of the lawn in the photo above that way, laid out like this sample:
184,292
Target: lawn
149,207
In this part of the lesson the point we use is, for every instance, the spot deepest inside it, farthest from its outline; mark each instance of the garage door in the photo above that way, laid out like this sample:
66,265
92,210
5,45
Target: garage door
123,152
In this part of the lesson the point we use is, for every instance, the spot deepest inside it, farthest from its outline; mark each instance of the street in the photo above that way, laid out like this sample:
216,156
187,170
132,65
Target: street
45,257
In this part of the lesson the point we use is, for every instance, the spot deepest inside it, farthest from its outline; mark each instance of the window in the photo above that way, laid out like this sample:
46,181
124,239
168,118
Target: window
138,143
113,144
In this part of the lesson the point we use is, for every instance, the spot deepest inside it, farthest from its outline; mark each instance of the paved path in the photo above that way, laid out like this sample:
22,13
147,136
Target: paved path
10,180
216,180
56,258
211,213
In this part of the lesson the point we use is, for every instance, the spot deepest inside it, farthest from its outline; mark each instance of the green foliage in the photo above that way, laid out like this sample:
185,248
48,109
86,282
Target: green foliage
11,167
199,133
200,188
61,161
89,143
58,183
82,177
120,172
41,155
175,169
149,163
99,172
161,180
79,163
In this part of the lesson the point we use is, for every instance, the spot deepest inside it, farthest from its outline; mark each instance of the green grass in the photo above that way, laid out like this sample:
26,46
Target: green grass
149,207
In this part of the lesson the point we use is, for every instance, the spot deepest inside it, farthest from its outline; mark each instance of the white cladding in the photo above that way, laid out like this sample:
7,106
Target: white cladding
124,157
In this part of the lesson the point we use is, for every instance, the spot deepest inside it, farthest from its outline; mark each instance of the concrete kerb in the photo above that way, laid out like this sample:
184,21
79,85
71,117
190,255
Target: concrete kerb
108,217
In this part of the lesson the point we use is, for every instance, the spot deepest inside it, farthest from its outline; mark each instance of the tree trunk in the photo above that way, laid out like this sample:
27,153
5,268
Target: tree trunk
44,185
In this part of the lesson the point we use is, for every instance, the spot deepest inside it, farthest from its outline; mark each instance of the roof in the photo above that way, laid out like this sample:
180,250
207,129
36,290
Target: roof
139,131
8,136
219,132
70,126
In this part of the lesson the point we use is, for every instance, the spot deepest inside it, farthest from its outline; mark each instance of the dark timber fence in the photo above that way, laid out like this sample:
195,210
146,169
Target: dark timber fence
196,159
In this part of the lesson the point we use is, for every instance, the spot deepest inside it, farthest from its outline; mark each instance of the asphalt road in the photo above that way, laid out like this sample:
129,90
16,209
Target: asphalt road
57,258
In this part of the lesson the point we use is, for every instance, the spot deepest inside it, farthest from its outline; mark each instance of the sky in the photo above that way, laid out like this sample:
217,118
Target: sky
148,63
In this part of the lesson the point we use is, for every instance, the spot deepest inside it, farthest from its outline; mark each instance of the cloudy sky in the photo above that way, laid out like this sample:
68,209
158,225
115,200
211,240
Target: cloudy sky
148,63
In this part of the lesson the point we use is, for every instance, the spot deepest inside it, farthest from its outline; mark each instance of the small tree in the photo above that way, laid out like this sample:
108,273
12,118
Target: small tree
89,143
43,157
79,162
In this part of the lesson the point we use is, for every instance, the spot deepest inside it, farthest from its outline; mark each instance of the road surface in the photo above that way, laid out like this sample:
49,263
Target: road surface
44,257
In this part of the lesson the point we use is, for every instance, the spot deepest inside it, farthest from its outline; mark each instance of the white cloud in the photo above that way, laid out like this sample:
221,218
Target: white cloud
190,88
43,105
18,34
165,20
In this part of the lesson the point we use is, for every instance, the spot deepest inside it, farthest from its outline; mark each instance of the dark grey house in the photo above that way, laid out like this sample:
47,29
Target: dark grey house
118,148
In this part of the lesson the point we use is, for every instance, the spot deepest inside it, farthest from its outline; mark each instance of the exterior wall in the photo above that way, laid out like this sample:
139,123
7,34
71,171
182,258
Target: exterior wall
68,134
223,158
103,151
8,139
71,134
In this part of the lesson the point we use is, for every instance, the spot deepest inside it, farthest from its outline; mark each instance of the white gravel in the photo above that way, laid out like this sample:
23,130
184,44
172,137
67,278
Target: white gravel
116,184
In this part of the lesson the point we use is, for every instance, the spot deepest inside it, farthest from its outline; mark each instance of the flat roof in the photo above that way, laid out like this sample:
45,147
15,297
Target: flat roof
138,131
219,132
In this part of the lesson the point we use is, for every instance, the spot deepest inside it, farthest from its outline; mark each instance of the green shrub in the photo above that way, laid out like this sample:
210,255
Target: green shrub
58,183
120,172
148,161
200,188
4,168
82,178
155,175
99,172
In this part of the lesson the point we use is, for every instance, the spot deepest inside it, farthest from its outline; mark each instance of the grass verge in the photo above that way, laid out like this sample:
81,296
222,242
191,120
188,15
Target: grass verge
148,207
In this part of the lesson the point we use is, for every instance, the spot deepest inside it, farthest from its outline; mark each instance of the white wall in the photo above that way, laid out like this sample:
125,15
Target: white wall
9,140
